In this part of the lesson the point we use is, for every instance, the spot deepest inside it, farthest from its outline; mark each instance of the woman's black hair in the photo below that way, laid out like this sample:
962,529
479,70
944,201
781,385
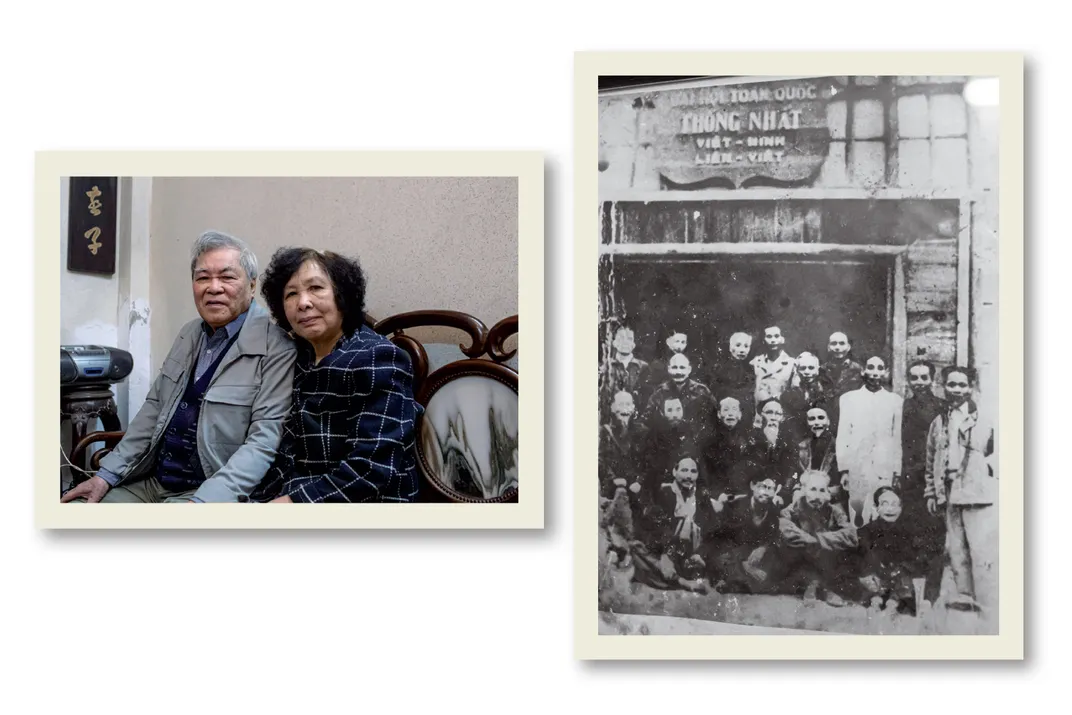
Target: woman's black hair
882,490
347,282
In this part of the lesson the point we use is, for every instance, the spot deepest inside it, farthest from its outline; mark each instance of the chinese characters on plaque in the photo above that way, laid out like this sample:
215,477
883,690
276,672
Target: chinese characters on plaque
91,225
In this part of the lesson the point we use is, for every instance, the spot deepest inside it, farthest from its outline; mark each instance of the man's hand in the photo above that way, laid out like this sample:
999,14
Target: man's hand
635,487
93,489
800,539
871,583
666,568
932,506
696,560
719,504
285,499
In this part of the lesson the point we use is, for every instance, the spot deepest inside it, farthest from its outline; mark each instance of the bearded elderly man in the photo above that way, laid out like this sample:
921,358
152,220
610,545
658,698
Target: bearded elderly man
213,418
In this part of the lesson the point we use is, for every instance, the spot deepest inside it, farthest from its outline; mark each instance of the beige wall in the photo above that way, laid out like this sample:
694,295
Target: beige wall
425,243
88,301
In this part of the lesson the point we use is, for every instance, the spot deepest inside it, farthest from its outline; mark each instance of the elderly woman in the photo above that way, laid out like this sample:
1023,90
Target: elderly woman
350,434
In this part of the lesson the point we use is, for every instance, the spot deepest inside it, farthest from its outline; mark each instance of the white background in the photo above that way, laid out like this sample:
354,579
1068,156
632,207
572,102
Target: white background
469,622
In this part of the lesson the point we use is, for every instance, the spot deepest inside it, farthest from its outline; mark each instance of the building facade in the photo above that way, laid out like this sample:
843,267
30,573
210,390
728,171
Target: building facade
866,205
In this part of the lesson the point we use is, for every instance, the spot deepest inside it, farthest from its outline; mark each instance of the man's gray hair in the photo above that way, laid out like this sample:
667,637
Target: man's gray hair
211,240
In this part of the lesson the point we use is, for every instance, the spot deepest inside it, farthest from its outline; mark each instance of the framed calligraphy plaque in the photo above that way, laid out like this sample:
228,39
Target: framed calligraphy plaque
91,224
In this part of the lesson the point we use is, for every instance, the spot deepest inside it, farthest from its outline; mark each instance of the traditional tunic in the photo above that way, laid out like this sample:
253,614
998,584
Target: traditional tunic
663,442
670,533
813,542
630,375
741,545
894,554
820,453
796,401
774,459
919,412
868,445
619,443
696,401
737,379
723,469
842,376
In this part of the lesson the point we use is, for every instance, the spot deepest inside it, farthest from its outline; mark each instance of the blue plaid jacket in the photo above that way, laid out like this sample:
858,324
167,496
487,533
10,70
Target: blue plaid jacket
350,434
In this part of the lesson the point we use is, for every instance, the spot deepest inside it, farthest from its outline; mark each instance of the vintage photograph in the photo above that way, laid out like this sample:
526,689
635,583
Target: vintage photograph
254,340
798,363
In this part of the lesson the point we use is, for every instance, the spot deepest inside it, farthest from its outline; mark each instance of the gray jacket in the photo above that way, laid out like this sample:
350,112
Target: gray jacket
241,419
972,482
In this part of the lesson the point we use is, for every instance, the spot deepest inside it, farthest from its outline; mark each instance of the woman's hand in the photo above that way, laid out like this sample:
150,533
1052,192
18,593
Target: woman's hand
285,499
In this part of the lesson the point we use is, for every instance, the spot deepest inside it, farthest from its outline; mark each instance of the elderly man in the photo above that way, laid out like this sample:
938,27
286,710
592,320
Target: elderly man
696,399
619,441
723,469
213,418
818,452
815,536
676,343
811,392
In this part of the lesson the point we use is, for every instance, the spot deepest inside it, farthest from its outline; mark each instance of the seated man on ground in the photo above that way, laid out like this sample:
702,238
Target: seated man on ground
815,536
741,539
668,552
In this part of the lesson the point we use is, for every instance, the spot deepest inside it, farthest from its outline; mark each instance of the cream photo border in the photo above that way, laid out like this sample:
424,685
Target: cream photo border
762,643
528,167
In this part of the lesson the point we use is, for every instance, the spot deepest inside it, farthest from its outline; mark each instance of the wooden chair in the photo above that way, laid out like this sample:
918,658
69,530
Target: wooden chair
483,357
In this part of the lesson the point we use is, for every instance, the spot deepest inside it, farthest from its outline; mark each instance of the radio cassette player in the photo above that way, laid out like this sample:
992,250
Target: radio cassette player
93,365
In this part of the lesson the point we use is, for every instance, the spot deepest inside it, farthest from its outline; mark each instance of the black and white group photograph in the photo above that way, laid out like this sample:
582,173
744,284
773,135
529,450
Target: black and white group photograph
798,354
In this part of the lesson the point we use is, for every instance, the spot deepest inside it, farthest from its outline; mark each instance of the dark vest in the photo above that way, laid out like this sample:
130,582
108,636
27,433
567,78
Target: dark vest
177,465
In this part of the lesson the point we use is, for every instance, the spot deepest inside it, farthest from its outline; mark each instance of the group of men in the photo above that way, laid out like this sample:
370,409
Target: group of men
796,475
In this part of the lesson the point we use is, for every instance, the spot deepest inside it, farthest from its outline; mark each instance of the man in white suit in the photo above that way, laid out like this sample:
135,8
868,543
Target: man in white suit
869,439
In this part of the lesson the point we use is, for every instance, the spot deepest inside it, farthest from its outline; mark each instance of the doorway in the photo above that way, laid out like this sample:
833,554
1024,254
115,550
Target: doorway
711,298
